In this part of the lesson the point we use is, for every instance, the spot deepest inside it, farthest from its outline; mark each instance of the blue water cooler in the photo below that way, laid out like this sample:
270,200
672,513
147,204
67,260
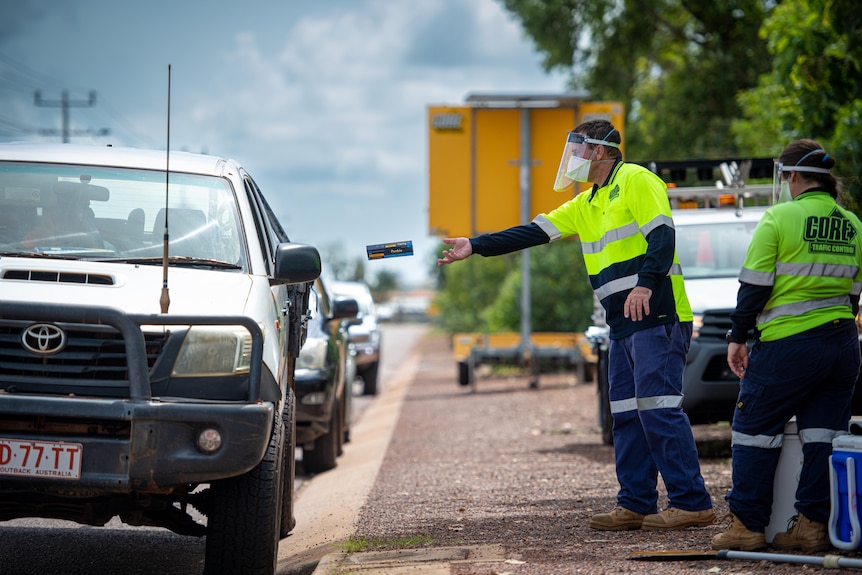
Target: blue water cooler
845,469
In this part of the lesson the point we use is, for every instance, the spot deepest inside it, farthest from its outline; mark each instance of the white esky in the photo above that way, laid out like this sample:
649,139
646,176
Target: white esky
323,101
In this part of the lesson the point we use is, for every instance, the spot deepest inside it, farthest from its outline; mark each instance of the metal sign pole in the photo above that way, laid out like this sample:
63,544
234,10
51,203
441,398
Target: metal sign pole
525,181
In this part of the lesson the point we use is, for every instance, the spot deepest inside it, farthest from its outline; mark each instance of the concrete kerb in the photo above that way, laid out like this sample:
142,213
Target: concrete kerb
327,509
432,561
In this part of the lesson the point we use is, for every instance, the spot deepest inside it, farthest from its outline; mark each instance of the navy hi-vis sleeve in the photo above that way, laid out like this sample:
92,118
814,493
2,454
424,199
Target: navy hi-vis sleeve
750,301
508,241
658,258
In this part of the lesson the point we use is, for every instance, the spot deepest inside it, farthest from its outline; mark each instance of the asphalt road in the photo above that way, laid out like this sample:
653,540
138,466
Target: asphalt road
53,547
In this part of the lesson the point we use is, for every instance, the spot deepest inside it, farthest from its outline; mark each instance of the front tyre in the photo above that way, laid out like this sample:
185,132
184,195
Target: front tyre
324,456
369,379
244,522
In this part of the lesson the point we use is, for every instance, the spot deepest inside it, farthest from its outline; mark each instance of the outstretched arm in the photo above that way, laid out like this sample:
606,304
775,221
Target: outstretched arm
494,244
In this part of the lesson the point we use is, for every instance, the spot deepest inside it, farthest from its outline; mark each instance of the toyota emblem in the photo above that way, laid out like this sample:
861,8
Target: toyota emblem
43,339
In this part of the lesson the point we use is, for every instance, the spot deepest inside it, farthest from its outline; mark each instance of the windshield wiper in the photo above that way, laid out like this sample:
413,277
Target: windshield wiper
47,255
176,260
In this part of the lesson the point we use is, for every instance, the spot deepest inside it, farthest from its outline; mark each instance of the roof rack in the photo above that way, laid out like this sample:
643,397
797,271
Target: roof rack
729,190
716,197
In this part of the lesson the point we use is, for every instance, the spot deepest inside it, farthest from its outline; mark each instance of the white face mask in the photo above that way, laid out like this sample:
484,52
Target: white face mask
578,169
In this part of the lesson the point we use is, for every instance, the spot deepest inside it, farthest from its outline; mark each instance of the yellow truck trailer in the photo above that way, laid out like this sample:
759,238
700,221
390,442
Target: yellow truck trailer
546,349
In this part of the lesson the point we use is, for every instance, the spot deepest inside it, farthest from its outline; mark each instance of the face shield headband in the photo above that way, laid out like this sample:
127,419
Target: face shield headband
573,167
781,188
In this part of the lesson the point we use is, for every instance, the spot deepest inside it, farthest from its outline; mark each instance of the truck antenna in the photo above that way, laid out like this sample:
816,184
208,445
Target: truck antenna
165,298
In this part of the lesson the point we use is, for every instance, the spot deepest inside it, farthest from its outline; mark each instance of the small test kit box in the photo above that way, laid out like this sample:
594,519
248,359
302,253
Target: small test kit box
391,250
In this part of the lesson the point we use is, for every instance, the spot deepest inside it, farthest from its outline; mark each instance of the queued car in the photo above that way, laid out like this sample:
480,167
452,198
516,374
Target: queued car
150,318
323,390
364,335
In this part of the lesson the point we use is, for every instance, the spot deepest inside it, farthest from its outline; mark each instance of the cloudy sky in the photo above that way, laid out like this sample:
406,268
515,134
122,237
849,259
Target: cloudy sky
323,101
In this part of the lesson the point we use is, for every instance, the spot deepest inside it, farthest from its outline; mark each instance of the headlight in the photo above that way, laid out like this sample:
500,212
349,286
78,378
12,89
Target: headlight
312,355
214,350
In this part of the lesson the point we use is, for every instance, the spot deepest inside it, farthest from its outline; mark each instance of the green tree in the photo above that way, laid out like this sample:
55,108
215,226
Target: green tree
677,65
814,89
383,284
484,294
466,288
561,298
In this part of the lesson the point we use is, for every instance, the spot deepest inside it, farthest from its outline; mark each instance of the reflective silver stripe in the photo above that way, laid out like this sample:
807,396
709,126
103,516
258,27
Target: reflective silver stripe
819,435
659,402
762,441
856,288
646,403
613,235
757,278
628,282
799,308
658,221
616,286
546,226
814,269
623,405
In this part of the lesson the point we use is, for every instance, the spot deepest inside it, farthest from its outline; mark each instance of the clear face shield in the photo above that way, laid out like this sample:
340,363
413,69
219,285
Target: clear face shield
573,166
781,178
780,186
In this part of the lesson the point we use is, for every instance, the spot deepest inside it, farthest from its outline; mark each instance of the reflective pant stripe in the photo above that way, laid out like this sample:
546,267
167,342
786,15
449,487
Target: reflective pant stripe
646,403
762,441
819,435
816,435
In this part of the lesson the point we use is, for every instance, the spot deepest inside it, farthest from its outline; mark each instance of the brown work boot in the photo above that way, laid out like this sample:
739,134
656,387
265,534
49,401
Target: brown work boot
802,533
673,518
617,520
739,537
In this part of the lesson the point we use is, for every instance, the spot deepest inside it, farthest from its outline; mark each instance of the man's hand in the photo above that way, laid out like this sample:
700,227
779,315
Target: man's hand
637,303
737,358
462,250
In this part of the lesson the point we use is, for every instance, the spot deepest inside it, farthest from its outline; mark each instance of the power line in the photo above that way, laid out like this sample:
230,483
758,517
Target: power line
64,103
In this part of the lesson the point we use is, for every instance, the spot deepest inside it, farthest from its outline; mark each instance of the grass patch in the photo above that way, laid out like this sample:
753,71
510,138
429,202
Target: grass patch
357,544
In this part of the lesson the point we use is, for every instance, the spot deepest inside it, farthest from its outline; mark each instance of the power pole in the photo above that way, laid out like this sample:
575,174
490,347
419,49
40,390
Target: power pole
64,103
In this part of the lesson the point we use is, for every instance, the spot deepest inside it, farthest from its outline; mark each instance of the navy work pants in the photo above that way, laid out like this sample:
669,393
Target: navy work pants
810,375
652,434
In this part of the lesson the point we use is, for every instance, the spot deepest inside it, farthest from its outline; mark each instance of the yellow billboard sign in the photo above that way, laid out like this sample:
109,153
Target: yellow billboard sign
482,160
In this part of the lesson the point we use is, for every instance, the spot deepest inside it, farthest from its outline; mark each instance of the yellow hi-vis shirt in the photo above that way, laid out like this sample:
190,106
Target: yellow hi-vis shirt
810,252
613,224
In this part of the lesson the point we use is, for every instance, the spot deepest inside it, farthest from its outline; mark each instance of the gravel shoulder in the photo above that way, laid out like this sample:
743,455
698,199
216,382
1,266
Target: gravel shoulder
523,469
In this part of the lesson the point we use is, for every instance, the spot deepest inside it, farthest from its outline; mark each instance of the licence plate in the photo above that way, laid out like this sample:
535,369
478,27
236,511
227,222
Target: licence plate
40,459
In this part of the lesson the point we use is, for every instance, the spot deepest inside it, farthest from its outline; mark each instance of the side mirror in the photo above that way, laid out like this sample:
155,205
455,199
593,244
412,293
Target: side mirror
296,264
344,308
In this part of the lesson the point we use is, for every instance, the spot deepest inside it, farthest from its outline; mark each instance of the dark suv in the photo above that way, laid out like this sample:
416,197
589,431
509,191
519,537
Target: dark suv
323,394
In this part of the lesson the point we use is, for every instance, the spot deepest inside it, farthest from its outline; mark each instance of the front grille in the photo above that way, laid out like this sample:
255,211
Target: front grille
716,322
93,355
718,370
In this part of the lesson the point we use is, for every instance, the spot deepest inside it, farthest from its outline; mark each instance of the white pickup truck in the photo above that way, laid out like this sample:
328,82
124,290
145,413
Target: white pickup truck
151,312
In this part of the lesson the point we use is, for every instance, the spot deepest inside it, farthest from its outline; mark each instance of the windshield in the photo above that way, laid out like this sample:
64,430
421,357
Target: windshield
88,212
713,250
